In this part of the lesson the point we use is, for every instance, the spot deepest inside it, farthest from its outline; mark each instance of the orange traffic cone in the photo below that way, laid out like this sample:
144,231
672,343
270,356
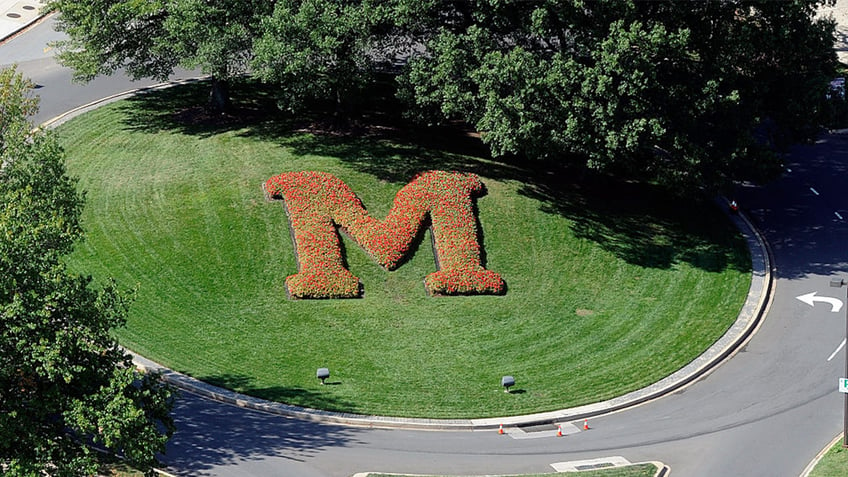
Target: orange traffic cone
585,424
559,431
500,429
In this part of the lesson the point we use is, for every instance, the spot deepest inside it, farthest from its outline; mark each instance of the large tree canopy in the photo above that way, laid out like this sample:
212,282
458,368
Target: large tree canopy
680,92
151,38
662,90
321,49
65,384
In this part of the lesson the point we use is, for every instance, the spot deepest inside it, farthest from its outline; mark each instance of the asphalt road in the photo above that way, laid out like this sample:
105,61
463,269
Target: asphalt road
54,84
766,412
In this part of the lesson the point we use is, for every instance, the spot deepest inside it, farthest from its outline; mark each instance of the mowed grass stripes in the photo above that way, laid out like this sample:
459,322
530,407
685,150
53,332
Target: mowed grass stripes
609,288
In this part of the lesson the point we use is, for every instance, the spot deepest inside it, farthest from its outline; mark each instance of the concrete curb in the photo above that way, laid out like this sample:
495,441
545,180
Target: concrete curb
812,465
662,469
18,16
759,296
68,115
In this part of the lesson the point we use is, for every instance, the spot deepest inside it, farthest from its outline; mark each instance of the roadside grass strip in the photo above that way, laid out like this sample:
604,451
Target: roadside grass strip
834,462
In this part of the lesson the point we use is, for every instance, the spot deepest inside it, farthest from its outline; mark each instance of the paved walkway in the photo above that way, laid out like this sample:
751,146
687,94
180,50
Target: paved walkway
15,15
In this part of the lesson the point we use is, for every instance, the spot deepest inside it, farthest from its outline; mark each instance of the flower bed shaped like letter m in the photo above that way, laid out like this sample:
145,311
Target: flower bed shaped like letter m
317,202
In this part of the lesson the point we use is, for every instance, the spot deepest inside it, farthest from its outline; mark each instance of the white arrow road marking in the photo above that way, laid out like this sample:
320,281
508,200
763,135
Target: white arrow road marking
837,350
811,299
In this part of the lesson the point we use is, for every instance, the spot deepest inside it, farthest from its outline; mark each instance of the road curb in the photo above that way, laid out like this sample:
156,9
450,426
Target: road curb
8,33
70,114
812,465
756,304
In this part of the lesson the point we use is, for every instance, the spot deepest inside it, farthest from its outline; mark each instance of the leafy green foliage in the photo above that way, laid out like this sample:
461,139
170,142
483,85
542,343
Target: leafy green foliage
106,35
660,90
64,381
152,38
216,37
318,49
16,104
684,93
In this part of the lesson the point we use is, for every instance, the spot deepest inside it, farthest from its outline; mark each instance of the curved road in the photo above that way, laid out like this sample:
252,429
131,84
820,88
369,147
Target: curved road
766,412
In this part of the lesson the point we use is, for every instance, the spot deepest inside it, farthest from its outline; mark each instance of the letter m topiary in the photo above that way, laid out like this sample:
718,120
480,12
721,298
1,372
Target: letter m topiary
317,202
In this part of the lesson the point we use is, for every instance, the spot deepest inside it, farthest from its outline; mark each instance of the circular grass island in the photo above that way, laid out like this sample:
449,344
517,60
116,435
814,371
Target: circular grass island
610,287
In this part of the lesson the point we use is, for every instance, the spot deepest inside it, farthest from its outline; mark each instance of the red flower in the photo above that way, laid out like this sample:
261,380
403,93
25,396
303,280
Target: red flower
317,202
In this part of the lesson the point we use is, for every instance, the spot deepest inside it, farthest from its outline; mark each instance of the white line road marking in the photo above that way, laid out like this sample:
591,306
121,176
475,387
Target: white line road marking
837,350
837,214
814,191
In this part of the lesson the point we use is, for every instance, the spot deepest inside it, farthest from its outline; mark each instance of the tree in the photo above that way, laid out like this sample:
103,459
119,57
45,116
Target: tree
313,49
677,92
321,49
16,104
65,384
685,93
152,38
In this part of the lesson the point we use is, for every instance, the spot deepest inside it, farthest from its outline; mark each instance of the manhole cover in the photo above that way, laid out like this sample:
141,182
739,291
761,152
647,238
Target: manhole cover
28,7
13,15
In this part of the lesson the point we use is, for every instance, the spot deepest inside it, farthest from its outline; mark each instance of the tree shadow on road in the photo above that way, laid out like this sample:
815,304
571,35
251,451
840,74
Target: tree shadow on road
804,214
211,435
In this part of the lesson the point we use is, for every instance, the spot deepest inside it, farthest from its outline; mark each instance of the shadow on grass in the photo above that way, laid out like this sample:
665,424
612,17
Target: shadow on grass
644,224
182,109
212,435
641,224
293,396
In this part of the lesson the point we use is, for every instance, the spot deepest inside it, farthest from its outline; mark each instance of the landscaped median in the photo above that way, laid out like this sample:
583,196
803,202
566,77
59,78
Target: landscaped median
609,286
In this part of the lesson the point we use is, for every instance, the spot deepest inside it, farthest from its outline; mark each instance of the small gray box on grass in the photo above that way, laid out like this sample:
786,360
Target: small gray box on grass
323,373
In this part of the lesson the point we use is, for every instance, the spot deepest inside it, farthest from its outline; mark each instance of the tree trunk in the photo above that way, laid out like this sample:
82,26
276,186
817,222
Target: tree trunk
340,114
219,96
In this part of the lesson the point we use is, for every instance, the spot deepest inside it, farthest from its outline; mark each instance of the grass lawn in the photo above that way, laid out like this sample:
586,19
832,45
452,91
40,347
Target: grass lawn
833,464
112,467
611,286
